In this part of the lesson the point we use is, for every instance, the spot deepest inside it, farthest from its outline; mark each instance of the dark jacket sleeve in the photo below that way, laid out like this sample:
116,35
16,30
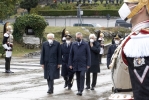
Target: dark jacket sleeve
96,48
88,56
109,57
42,55
61,50
70,56
59,54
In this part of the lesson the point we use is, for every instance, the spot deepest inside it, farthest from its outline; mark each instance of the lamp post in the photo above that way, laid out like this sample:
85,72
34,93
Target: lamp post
79,13
108,18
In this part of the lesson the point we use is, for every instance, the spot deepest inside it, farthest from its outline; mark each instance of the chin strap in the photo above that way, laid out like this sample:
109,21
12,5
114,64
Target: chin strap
137,8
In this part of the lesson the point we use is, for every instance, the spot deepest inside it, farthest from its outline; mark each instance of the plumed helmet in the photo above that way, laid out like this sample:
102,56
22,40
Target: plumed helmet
141,4
66,32
5,27
8,28
117,37
68,36
101,34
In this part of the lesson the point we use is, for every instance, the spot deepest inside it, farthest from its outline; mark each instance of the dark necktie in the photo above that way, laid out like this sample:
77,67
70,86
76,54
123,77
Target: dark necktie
78,43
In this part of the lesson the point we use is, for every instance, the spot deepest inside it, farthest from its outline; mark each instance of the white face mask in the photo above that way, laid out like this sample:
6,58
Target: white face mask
68,42
91,40
124,11
11,31
50,41
64,38
117,42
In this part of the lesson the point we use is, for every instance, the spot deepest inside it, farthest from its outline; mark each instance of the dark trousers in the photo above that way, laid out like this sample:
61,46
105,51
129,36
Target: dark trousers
100,56
50,85
80,80
7,63
69,80
94,79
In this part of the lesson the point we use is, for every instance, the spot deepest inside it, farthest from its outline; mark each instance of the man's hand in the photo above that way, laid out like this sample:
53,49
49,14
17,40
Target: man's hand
91,44
88,67
70,67
58,66
43,66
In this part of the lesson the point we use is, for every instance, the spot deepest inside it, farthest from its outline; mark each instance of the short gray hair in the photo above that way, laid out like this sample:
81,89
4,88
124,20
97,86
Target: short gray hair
78,33
50,34
92,35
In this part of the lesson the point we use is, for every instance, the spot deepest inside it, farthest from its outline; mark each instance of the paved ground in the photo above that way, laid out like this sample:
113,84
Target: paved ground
27,83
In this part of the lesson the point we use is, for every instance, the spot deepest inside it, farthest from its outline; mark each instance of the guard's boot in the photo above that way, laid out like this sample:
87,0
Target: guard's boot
7,65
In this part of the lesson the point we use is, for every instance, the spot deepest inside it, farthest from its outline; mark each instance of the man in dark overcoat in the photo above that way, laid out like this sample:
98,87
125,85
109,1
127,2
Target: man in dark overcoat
80,60
51,60
95,67
67,73
112,49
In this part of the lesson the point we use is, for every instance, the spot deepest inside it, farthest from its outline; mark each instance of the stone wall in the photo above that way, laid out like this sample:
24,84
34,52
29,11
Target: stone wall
31,42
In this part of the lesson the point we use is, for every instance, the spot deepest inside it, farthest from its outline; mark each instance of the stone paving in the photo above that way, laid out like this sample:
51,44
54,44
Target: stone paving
27,83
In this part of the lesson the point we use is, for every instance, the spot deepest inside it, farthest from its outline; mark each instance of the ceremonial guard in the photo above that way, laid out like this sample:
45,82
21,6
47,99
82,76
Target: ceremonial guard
134,51
100,39
112,49
64,32
8,45
67,73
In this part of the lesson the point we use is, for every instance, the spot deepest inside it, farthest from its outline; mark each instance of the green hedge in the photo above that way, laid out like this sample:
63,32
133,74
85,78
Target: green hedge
36,22
74,12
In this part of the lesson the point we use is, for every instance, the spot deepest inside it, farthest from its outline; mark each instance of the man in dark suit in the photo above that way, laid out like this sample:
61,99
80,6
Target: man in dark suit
67,73
80,60
51,60
112,49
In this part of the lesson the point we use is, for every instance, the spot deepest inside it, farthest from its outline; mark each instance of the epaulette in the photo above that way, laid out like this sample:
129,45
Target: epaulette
6,35
137,45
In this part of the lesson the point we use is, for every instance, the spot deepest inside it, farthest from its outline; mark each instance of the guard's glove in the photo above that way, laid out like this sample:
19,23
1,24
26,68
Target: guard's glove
6,47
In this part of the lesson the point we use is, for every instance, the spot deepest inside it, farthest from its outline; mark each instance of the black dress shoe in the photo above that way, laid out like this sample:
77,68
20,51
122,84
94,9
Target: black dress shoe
69,88
79,93
87,88
8,71
92,88
65,85
50,92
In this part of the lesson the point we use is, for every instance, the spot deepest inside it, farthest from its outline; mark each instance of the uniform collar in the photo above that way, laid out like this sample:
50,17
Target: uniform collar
141,25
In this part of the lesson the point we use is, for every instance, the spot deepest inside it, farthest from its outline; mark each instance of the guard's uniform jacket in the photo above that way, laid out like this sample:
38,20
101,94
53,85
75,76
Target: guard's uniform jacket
8,45
110,53
8,39
136,55
67,73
